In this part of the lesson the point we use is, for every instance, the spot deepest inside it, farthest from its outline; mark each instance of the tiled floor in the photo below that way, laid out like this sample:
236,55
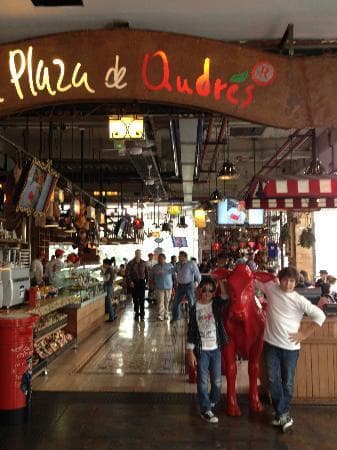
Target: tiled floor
102,421
127,356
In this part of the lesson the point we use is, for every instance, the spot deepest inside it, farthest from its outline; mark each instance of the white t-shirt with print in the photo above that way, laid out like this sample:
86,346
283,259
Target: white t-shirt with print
285,311
206,326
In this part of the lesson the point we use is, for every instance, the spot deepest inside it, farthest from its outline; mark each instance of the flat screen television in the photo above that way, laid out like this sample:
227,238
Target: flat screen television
179,241
38,185
255,217
233,212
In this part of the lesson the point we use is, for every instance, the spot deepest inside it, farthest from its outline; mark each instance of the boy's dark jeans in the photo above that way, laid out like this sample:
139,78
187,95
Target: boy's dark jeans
280,365
209,362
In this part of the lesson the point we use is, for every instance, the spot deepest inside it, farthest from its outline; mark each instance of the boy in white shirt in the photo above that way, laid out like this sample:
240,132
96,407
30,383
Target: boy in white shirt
282,338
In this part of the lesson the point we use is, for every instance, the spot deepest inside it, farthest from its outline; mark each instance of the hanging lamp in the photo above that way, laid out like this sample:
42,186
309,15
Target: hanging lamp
215,196
228,171
315,167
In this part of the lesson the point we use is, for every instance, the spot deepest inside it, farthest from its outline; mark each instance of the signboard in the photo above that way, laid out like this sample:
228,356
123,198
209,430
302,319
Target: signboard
147,66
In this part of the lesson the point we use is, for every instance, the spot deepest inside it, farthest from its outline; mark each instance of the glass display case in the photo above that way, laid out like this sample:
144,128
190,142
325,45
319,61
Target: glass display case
85,281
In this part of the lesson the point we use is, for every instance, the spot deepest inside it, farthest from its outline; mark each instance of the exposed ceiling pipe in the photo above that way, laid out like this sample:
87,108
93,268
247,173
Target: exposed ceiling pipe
188,142
219,140
198,152
173,136
208,138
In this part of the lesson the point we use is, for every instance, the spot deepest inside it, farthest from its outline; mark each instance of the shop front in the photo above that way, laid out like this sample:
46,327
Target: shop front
127,66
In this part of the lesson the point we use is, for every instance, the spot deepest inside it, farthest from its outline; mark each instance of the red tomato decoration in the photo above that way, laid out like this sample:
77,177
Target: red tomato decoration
138,224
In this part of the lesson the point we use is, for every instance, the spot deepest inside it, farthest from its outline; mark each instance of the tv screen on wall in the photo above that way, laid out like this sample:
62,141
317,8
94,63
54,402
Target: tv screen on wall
179,242
233,212
38,186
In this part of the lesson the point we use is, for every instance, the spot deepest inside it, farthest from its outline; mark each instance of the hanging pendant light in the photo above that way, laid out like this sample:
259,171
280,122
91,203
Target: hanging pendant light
182,222
228,171
315,167
215,197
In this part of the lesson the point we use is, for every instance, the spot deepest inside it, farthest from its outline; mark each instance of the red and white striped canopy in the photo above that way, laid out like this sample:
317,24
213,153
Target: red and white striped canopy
306,192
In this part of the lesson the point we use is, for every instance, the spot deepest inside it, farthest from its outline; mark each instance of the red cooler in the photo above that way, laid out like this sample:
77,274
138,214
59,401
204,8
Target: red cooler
16,348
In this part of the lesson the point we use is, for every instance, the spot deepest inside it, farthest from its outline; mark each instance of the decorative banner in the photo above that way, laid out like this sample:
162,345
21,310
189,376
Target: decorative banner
149,66
38,189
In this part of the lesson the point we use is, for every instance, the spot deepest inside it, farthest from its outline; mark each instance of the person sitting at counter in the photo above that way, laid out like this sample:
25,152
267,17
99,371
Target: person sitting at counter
323,282
307,283
331,295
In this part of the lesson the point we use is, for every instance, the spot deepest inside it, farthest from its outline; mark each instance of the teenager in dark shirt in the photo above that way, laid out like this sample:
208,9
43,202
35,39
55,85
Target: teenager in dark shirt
206,337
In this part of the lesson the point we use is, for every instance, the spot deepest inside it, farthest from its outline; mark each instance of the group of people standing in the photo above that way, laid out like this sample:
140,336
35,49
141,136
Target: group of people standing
282,338
163,277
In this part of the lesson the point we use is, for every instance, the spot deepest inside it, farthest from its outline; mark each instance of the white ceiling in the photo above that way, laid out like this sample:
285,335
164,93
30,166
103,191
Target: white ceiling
220,19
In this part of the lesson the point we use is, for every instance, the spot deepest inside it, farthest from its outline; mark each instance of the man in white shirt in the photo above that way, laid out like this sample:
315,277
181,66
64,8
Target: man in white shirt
36,271
55,266
282,339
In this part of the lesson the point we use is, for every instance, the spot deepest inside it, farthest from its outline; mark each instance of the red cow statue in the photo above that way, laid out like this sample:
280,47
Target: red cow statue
244,321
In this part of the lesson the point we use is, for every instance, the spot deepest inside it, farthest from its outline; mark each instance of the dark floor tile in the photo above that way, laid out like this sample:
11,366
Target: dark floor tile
89,422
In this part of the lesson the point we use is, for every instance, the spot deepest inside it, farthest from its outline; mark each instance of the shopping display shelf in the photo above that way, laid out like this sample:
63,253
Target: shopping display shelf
42,366
50,329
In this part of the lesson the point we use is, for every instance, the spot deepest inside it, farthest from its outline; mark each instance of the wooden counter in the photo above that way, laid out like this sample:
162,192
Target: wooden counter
316,373
84,318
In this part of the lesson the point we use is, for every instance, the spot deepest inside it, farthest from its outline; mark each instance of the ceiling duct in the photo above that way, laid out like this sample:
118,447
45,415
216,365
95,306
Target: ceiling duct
188,143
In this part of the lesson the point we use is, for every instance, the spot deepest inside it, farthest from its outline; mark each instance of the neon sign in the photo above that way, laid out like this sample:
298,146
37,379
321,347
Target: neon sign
39,76
262,74
32,76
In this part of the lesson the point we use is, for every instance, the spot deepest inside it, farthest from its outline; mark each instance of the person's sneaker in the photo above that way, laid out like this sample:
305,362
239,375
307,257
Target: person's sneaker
276,422
160,318
212,405
209,417
287,424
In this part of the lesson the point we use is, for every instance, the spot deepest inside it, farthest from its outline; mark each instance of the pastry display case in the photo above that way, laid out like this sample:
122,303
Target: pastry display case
50,338
84,281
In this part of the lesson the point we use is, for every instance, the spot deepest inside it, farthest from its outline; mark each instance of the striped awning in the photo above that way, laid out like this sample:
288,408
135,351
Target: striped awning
318,187
291,203
293,193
